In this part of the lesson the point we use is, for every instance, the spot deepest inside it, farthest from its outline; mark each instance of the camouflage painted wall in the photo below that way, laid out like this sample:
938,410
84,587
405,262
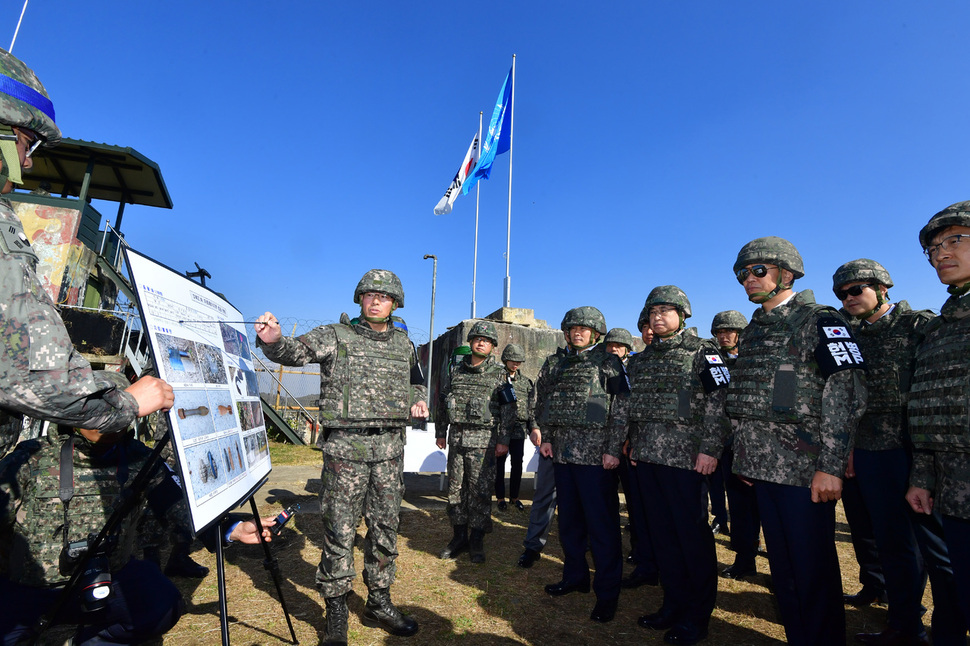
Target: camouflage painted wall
64,262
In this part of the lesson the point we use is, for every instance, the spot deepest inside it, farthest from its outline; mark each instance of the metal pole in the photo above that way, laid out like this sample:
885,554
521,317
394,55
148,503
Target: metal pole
478,194
434,281
508,236
17,30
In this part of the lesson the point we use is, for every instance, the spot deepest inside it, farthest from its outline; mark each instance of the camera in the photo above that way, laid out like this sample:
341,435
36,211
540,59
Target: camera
95,580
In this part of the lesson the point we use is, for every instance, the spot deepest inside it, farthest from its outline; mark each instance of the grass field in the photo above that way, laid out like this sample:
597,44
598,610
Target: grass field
458,602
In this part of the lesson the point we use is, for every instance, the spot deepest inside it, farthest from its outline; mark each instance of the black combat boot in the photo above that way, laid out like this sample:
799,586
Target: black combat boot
336,620
458,544
181,564
476,546
385,614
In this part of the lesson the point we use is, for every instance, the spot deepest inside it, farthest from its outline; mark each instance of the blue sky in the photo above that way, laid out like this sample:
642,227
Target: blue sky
306,142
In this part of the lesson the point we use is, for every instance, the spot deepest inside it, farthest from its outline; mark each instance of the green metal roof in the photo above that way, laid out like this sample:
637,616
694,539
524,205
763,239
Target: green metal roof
119,174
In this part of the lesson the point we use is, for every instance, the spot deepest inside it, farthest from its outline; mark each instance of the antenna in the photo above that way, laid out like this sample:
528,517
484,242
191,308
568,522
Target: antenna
17,30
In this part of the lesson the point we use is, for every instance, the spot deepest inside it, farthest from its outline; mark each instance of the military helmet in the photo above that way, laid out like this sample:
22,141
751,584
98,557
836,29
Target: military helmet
484,329
383,281
861,269
620,335
513,352
728,320
774,250
954,215
587,316
668,295
644,318
23,100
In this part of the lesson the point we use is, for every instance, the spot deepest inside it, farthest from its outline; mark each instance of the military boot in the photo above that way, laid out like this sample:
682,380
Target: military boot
476,546
458,544
385,614
181,564
337,614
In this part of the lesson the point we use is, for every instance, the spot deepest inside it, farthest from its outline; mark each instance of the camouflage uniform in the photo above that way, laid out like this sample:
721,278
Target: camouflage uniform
676,412
41,375
470,410
580,404
792,422
365,399
515,426
37,524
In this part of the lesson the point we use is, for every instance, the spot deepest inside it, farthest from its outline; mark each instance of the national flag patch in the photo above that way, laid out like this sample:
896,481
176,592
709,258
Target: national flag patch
714,360
836,332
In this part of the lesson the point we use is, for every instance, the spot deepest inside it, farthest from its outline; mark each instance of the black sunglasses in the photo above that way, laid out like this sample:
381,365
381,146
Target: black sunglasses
855,290
760,271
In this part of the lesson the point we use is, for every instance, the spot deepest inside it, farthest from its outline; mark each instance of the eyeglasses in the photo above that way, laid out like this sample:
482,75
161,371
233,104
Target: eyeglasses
855,290
377,296
759,271
946,244
660,310
32,143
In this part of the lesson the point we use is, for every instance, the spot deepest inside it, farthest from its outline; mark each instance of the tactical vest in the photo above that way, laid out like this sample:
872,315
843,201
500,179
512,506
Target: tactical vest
522,386
580,400
772,381
469,398
36,549
370,381
939,414
661,381
888,347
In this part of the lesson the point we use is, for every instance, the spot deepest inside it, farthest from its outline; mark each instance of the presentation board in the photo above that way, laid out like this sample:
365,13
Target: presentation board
201,349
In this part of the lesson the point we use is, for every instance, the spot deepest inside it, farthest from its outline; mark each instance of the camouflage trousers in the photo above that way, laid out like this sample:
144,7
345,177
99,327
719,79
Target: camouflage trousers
350,489
471,477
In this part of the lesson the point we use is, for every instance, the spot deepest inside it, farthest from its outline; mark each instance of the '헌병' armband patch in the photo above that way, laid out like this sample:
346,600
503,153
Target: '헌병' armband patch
715,374
836,349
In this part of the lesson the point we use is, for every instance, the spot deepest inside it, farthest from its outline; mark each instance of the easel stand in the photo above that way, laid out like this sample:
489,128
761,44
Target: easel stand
269,562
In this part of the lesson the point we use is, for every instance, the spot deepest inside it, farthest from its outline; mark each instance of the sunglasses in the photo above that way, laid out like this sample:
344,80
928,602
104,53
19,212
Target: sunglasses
760,271
855,290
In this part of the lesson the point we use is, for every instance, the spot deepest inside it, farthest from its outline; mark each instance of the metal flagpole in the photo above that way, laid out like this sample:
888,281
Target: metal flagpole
478,194
17,30
434,281
508,235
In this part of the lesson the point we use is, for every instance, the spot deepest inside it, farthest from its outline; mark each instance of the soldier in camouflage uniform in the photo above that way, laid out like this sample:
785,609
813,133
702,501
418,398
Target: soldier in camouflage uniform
677,431
937,409
41,375
745,524
619,341
469,415
880,462
515,424
370,384
62,489
797,392
581,396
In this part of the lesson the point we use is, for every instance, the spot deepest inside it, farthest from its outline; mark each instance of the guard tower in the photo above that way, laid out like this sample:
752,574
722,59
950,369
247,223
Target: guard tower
79,251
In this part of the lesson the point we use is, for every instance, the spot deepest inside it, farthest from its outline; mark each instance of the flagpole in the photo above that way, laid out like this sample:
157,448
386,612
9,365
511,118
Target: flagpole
508,235
478,193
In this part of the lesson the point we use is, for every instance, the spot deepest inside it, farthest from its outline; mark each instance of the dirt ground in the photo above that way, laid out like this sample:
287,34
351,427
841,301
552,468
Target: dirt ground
495,603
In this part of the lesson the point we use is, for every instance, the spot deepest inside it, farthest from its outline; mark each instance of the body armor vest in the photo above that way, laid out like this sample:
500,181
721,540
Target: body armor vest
522,386
661,381
888,347
939,414
469,398
771,380
580,399
370,381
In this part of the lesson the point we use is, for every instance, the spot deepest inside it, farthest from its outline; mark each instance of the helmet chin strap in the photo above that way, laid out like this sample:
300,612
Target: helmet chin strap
680,327
9,156
764,297
593,338
880,301
377,319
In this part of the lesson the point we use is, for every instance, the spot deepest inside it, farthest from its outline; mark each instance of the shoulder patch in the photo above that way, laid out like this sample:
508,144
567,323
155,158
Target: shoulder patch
714,375
14,240
837,350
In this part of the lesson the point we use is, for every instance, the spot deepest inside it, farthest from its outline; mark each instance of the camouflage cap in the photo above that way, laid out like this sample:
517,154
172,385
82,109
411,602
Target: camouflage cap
954,215
23,100
587,316
619,335
485,330
774,250
728,320
861,269
383,281
513,352
668,295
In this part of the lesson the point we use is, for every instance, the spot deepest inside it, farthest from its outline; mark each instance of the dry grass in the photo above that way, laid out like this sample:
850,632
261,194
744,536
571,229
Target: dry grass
457,602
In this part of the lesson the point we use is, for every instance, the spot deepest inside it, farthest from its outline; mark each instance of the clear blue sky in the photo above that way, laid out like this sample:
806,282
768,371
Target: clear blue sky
306,142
